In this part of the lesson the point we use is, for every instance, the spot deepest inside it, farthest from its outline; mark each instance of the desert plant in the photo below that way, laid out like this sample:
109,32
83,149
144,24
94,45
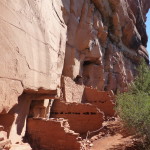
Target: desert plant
133,107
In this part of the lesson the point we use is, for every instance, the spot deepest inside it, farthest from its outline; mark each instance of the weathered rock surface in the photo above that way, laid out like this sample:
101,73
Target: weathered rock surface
32,43
106,39
66,52
72,92
23,146
75,93
5,143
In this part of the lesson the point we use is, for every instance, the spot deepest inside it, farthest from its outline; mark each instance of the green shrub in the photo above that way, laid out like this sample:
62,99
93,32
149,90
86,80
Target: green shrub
133,107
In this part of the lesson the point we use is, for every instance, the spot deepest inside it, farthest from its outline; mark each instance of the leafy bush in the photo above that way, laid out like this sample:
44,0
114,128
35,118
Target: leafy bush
134,106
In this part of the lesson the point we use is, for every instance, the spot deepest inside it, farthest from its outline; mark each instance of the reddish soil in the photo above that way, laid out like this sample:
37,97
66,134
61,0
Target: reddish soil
115,137
112,142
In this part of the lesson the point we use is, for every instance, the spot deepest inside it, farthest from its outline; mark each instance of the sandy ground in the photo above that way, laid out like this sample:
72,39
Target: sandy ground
116,142
114,137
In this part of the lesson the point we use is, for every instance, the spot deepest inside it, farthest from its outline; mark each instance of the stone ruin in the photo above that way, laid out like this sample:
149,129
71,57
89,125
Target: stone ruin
47,121
62,62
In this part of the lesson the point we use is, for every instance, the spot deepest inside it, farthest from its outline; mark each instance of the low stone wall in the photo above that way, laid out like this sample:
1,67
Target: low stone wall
104,100
52,134
81,117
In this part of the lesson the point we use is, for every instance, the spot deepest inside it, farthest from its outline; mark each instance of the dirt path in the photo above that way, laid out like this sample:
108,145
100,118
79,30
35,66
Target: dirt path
113,137
116,142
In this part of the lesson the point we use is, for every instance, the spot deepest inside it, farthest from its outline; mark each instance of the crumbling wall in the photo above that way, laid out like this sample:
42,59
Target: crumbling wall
104,100
52,134
81,117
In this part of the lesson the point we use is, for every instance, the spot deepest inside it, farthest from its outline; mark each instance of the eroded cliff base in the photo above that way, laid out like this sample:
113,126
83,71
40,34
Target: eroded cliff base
83,119
62,62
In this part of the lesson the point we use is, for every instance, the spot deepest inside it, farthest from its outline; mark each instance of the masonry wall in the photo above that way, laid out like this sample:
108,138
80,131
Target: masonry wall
81,117
51,134
104,100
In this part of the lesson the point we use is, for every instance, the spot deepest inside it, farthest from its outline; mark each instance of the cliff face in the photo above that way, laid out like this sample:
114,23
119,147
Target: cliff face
33,39
96,43
105,41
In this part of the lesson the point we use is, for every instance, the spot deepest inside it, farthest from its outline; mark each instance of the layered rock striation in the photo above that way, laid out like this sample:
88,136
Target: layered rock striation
106,38
61,57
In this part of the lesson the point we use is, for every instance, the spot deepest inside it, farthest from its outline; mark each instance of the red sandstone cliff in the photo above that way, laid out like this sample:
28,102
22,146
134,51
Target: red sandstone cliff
60,49
105,41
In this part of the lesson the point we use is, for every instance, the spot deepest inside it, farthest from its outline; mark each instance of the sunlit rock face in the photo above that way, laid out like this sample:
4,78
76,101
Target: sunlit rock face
106,38
32,47
70,51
